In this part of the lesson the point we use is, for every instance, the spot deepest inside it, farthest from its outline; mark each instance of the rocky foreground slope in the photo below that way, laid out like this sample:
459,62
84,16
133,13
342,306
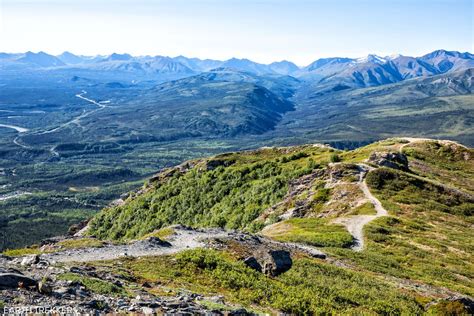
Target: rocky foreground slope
384,229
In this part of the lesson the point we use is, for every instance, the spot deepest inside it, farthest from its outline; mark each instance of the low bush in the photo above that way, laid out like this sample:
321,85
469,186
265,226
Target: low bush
310,287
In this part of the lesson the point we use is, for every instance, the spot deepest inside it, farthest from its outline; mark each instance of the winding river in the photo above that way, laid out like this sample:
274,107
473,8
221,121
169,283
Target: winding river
17,128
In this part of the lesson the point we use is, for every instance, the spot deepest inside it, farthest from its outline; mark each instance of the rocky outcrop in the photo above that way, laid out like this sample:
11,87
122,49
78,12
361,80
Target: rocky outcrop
276,262
214,163
252,263
76,228
394,160
18,290
296,188
270,262
15,280
169,172
29,260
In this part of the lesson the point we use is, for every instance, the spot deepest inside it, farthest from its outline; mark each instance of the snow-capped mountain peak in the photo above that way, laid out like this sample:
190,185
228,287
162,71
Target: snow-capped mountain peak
393,56
371,59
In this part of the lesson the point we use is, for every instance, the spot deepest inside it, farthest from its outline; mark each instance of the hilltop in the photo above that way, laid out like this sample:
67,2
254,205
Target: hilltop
385,228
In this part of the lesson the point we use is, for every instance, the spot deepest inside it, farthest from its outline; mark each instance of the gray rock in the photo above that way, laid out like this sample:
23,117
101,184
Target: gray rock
29,260
394,160
5,258
467,302
251,262
97,305
61,290
44,288
218,299
43,264
76,270
14,280
152,242
147,311
214,163
240,311
276,262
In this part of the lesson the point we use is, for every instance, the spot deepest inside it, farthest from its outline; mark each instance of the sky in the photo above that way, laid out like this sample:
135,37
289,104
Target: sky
264,30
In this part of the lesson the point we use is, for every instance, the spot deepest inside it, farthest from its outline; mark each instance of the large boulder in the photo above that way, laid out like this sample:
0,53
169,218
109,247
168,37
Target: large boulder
15,280
270,262
252,262
394,160
276,262
29,260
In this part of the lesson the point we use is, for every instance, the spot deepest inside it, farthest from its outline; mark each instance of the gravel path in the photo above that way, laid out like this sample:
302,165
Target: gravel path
355,224
182,239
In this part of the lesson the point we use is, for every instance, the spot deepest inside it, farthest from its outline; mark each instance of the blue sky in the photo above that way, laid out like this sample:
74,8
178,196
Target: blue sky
264,30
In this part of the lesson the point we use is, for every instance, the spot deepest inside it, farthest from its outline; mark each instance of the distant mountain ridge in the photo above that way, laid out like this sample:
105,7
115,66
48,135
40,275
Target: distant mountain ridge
322,76
375,70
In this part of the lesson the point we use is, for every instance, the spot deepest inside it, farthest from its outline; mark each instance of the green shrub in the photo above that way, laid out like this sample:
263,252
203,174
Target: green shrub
334,158
93,284
232,197
310,287
449,308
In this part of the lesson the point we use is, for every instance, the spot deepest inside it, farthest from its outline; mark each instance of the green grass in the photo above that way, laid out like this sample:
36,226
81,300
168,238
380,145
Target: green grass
420,195
60,246
162,233
311,231
80,243
22,251
94,285
364,209
428,238
310,287
447,163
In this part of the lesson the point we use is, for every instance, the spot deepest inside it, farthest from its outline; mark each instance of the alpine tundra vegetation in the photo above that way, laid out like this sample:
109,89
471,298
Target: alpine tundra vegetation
269,230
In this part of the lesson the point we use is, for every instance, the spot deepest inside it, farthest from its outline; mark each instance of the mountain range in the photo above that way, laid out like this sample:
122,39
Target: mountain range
336,72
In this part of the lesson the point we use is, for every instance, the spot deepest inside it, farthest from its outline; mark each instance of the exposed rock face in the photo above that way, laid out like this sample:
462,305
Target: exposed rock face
169,172
20,291
29,260
296,188
19,288
394,160
74,229
276,262
251,262
272,262
214,163
153,242
467,302
15,280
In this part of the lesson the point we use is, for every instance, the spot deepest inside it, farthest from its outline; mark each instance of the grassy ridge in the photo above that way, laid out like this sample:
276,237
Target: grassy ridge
426,238
231,197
